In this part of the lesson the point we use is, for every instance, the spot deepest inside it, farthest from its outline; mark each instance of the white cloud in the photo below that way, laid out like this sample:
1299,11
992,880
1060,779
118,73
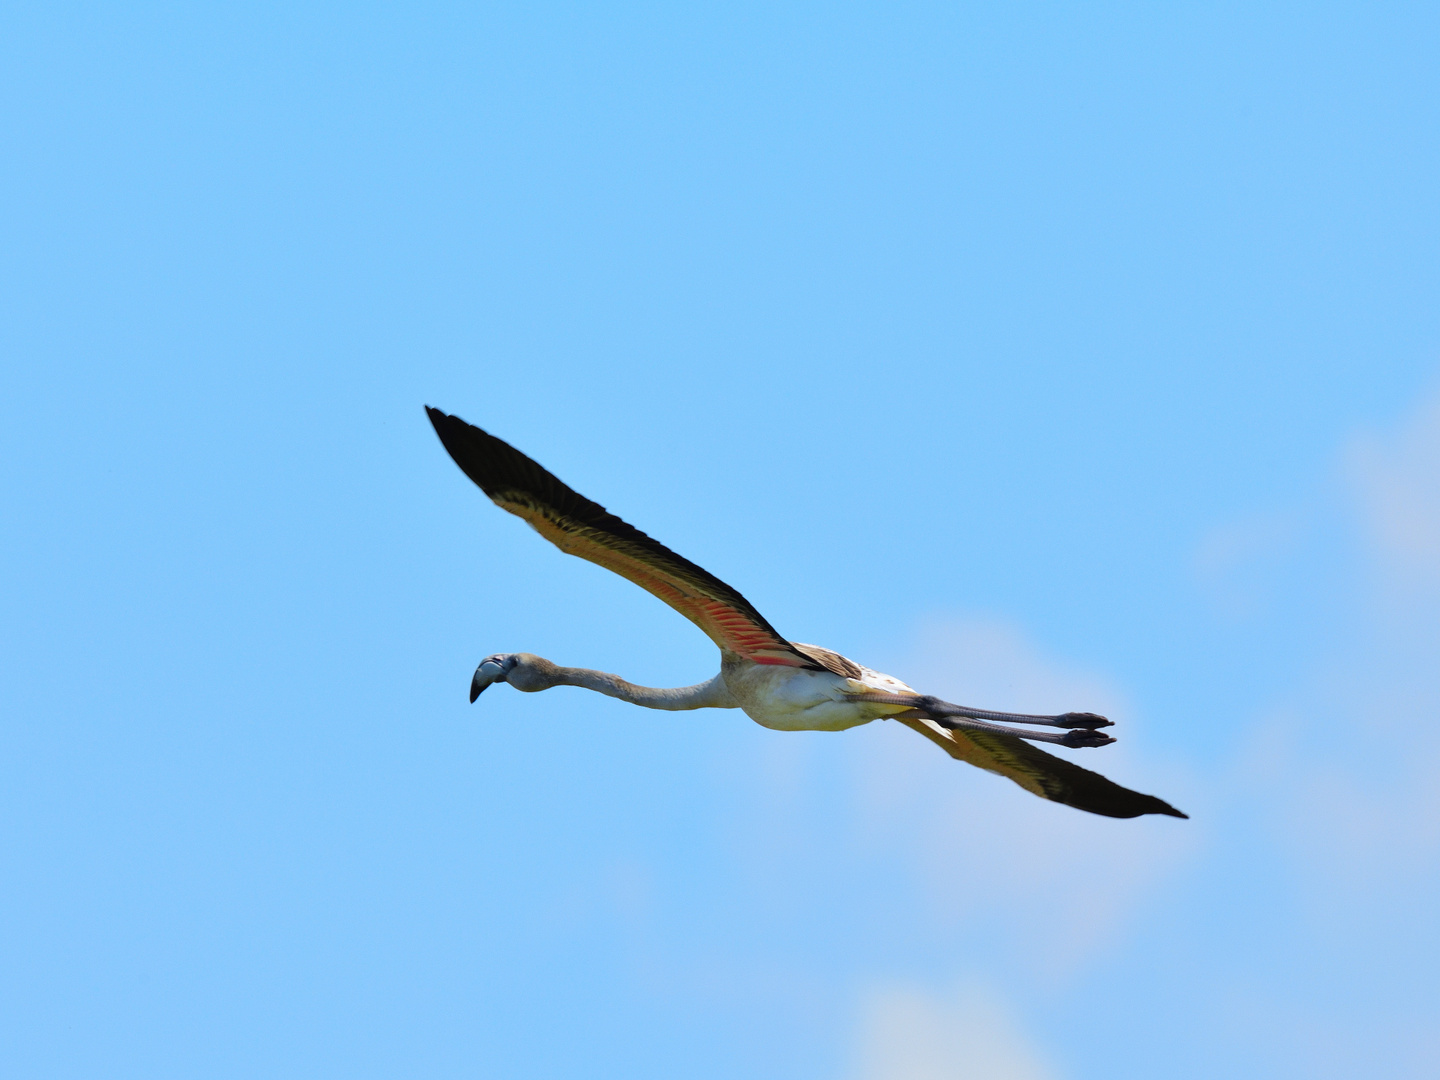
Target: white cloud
1232,562
909,1034
1356,799
1397,479
1342,779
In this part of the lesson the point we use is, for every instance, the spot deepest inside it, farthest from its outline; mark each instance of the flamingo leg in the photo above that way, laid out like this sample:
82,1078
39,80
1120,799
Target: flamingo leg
1074,737
1081,727
1087,720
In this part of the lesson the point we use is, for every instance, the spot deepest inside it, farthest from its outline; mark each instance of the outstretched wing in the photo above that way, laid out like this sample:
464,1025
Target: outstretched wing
1042,774
580,527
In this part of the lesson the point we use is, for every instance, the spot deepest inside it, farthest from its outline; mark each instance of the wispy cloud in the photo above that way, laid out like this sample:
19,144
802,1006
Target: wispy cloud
1233,562
1333,796
1397,479
910,1034
1340,778
1360,790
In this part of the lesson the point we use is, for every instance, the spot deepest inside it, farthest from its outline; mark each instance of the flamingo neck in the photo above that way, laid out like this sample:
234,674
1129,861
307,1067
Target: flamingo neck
707,695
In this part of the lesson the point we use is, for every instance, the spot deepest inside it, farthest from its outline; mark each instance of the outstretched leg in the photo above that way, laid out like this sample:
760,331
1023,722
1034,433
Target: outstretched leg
1081,727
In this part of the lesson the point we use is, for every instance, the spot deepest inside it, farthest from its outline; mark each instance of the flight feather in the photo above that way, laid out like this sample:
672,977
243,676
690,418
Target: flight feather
581,527
1040,773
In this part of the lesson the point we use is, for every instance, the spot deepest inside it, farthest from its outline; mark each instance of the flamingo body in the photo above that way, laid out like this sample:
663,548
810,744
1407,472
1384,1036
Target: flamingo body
802,699
782,685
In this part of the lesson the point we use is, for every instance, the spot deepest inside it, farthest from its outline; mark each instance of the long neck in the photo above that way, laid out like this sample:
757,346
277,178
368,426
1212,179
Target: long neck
706,695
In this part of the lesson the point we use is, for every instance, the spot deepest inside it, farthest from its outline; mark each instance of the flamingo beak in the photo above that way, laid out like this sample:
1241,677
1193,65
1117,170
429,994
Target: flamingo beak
488,672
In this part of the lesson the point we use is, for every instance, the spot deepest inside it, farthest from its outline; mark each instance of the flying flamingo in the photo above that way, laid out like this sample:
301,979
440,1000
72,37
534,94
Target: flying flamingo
779,684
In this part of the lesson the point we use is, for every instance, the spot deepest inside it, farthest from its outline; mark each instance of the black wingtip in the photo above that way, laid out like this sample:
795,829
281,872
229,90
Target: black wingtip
1137,805
480,455
1152,805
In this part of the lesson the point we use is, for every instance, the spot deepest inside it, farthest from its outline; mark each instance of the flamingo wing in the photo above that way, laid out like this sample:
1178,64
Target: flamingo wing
1040,773
580,527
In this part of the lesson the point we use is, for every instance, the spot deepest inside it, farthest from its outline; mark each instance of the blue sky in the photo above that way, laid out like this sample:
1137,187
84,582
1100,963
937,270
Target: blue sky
1045,356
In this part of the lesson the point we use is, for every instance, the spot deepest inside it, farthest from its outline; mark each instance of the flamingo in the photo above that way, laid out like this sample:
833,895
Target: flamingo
782,685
